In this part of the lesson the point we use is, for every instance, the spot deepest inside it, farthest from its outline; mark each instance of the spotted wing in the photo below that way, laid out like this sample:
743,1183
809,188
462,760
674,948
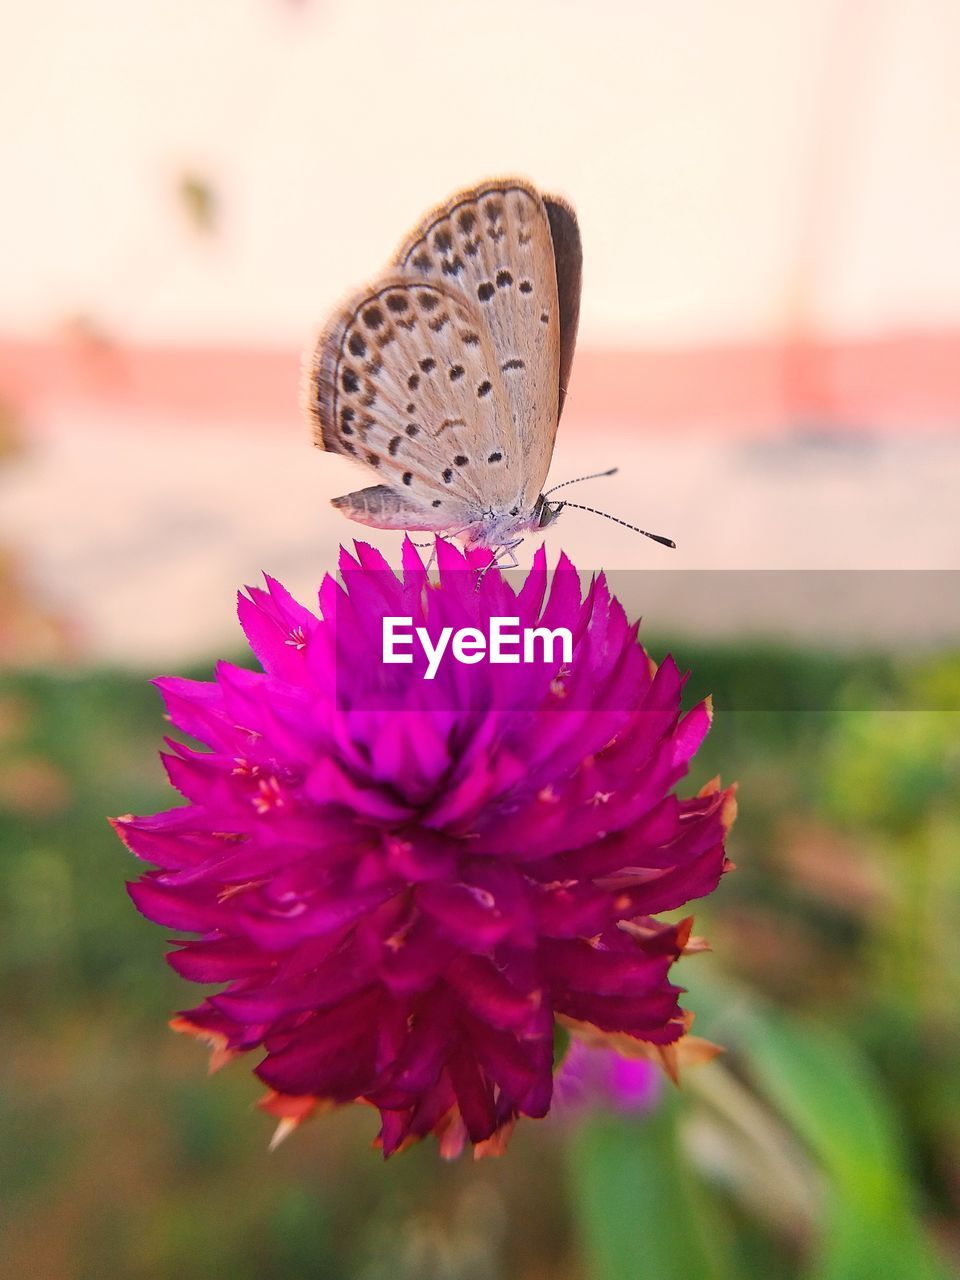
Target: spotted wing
405,380
494,244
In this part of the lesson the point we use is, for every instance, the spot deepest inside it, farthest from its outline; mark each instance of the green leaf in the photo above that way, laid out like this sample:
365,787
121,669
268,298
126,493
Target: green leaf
826,1092
561,1045
640,1208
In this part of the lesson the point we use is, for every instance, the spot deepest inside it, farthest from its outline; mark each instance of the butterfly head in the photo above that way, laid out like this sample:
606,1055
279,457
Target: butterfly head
544,513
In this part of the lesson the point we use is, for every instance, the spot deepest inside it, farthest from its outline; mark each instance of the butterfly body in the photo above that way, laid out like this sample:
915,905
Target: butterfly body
447,376
489,527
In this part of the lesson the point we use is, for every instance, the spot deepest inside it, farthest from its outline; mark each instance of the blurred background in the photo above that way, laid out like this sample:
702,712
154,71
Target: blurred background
769,196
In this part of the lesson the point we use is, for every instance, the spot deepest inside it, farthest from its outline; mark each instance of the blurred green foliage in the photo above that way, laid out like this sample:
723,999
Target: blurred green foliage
823,1145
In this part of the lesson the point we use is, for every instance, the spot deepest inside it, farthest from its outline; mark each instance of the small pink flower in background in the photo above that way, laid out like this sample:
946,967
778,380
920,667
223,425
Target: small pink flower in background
592,1078
400,884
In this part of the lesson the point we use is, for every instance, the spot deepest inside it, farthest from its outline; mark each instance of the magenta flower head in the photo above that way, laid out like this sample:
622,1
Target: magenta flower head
400,881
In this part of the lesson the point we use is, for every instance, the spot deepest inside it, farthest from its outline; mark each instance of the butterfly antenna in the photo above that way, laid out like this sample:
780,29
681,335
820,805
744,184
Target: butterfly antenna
666,542
597,475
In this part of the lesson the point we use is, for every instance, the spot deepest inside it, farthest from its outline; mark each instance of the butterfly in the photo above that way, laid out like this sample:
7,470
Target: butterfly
447,376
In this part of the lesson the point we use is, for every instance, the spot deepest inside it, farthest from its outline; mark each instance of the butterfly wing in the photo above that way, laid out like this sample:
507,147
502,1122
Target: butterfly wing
405,380
568,256
494,244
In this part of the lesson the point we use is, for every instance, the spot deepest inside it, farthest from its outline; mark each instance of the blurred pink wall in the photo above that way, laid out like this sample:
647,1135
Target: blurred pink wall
769,192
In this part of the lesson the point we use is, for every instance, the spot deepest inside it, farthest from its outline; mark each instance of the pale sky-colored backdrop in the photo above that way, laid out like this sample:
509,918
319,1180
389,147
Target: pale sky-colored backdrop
738,167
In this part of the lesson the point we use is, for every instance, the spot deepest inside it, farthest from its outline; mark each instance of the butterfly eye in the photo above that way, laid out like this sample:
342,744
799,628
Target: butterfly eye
514,511
547,513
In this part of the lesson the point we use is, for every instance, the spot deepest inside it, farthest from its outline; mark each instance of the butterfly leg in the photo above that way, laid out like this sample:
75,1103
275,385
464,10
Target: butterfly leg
431,563
506,550
509,550
433,553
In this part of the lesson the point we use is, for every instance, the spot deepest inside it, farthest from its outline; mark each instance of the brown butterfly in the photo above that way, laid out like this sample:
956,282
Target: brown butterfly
447,376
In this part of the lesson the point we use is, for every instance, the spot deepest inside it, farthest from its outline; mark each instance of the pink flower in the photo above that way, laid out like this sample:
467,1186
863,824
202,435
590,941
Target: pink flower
591,1077
400,884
